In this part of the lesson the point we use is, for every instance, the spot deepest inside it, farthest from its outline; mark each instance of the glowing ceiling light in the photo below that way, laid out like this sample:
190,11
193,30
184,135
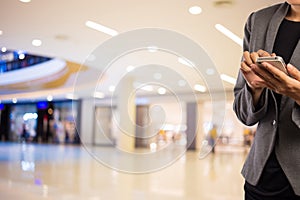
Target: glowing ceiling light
186,62
148,88
49,98
157,76
112,88
195,10
21,56
200,88
181,83
161,90
71,96
3,49
210,71
228,79
98,95
229,34
152,49
36,42
101,28
130,68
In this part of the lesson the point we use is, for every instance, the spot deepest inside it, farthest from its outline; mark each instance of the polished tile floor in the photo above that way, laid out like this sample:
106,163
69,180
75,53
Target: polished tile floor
29,171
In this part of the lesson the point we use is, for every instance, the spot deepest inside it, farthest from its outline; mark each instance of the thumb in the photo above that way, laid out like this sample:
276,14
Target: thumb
293,71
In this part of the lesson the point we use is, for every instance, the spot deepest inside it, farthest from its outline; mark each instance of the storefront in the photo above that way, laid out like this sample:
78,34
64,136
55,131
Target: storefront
40,122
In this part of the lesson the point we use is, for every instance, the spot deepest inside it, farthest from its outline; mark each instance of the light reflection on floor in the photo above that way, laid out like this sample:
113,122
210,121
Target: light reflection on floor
68,172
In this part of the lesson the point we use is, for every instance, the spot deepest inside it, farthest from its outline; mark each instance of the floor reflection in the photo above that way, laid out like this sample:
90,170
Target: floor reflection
29,171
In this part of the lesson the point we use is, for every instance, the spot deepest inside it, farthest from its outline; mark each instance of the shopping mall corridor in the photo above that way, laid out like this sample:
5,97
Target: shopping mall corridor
67,172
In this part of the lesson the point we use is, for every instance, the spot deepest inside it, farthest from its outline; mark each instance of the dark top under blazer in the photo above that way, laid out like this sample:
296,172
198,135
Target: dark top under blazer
260,33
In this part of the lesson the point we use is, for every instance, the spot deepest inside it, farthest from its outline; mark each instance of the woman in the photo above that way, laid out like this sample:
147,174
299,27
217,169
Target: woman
271,98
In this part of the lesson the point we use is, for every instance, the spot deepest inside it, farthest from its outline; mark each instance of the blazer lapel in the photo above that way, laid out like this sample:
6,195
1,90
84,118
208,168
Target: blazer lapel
274,26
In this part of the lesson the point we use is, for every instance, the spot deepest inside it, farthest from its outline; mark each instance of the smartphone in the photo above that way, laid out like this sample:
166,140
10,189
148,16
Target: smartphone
276,61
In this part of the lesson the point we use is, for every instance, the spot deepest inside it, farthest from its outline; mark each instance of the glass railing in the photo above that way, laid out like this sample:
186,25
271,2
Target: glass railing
15,60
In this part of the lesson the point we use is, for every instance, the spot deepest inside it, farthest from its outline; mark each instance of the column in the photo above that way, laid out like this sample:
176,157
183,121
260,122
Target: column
126,110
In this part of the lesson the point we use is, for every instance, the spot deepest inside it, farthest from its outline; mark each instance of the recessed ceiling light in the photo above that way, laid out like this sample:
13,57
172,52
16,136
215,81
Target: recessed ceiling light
229,34
200,88
21,56
36,42
130,68
111,88
210,71
98,95
186,62
152,49
49,98
148,88
1,32
157,76
195,10
71,96
228,79
3,49
101,28
181,83
161,90
14,100
25,1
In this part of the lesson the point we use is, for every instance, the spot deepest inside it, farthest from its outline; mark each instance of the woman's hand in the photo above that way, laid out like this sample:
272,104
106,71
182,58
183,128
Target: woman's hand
278,81
254,81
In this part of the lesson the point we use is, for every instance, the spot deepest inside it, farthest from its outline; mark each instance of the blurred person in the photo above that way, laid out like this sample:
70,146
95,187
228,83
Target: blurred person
213,137
271,98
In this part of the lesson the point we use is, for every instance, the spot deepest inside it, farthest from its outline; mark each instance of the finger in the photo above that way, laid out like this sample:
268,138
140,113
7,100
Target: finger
263,53
254,56
293,71
246,57
263,74
278,74
245,67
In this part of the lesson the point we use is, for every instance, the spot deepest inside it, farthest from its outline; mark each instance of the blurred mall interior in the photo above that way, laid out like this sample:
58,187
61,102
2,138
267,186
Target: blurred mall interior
121,99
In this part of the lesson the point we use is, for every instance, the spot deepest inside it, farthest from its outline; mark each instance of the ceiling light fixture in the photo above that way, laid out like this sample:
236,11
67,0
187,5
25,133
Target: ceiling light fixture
71,96
3,49
148,88
210,71
101,28
14,100
98,95
152,49
49,98
1,32
229,34
200,88
112,88
161,90
36,42
195,10
185,61
181,83
228,79
130,68
21,56
25,1
157,76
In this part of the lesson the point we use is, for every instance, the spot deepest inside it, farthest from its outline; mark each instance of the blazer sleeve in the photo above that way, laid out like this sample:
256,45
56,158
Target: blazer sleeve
243,105
296,115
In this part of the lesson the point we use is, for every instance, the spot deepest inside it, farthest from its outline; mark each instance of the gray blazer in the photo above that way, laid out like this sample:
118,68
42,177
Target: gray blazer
260,32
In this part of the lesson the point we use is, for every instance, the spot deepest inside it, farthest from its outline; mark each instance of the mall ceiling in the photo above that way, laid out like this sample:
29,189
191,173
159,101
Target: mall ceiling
62,28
